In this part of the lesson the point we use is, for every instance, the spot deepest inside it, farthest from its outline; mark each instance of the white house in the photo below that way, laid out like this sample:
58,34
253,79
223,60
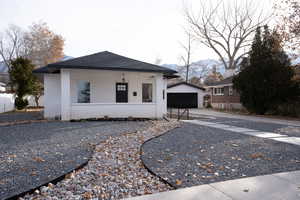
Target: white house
186,93
104,85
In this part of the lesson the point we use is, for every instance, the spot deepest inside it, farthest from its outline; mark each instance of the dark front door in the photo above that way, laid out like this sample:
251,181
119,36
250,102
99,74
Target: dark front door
121,92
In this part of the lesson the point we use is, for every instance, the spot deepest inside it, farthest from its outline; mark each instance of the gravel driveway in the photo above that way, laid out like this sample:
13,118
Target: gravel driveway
33,154
194,155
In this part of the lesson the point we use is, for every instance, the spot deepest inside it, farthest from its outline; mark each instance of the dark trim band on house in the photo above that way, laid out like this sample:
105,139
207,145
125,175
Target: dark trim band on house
105,61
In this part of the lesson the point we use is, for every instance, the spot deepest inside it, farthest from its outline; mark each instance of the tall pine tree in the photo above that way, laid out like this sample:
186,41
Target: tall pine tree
266,80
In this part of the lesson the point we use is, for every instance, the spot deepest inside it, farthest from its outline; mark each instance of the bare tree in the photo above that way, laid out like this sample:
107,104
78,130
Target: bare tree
287,13
202,70
226,27
213,76
43,45
11,44
186,58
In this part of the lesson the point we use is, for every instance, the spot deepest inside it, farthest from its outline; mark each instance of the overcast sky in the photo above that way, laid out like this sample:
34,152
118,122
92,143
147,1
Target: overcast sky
140,29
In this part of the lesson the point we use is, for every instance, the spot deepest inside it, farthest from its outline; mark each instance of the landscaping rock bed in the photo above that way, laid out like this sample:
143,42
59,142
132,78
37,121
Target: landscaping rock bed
36,153
194,155
115,170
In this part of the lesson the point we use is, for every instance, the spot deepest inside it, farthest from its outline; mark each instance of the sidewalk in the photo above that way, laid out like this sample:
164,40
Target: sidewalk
247,131
281,186
213,113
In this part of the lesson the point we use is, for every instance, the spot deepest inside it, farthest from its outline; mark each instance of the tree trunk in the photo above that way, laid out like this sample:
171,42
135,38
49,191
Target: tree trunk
36,99
187,74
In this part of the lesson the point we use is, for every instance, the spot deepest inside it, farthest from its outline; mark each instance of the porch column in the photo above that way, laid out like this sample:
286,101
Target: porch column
65,94
159,86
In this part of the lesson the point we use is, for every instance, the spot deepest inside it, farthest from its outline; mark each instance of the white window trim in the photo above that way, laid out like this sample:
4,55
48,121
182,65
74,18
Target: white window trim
152,97
77,96
218,93
230,91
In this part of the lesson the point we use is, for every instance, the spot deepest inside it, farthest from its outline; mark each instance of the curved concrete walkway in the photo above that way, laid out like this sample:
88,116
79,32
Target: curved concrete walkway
269,187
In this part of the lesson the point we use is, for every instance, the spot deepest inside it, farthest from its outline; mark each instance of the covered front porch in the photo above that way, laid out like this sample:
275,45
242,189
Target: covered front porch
83,94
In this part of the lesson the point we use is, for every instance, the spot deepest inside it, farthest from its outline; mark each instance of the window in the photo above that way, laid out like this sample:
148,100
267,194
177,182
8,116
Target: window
147,92
83,92
230,91
219,91
121,87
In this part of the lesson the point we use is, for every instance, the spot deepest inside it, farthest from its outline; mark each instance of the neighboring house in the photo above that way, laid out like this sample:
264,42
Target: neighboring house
104,85
186,92
223,96
2,87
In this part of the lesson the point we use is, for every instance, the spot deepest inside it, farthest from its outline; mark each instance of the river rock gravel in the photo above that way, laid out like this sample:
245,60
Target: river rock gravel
114,172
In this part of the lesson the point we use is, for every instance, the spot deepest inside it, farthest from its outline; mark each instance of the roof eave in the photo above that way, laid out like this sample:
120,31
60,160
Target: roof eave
221,85
55,69
188,84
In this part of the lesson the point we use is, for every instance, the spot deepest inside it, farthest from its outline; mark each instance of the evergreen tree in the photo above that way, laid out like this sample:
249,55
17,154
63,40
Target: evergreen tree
266,80
22,80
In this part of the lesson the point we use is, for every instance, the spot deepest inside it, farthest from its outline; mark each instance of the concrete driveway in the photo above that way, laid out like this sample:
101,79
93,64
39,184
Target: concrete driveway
34,154
222,115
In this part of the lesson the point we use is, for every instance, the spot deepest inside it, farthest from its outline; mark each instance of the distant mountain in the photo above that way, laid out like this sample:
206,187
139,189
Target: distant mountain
3,67
210,63
66,58
196,67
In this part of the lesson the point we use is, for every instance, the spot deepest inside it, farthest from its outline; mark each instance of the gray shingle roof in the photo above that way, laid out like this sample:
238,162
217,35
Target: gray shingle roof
223,82
104,61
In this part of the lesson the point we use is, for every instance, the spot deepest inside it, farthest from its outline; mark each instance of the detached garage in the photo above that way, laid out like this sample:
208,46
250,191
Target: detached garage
183,95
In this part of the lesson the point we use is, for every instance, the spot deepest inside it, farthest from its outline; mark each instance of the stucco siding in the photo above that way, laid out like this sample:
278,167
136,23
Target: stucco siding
103,84
52,96
113,110
103,95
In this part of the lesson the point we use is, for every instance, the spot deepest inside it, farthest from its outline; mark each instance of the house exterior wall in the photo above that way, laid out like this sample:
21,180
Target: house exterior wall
188,89
113,110
103,95
225,101
103,84
52,96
